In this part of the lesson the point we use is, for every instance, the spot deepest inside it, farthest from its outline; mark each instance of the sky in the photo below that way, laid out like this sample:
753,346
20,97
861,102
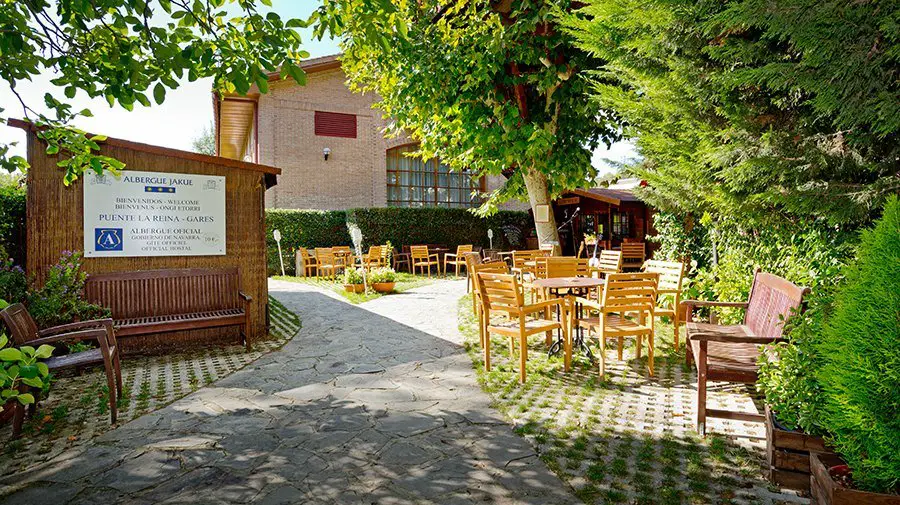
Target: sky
187,109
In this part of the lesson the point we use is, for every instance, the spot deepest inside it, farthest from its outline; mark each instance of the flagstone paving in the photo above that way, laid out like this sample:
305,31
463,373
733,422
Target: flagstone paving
375,403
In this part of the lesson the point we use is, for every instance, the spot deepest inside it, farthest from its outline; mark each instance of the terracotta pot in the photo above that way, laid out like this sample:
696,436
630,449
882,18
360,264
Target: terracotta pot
383,287
354,288
828,491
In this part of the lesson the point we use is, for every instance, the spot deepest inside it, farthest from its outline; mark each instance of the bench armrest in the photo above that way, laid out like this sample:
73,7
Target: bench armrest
743,339
82,325
245,296
703,303
98,334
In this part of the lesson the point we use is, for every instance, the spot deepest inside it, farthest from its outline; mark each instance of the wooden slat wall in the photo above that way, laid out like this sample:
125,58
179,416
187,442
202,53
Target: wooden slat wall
55,224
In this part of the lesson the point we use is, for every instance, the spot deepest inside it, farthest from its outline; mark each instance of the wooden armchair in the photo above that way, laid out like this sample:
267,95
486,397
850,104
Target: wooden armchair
633,253
523,261
310,264
326,263
374,258
420,258
25,332
494,267
402,258
609,262
457,259
343,256
502,293
471,259
731,353
633,295
671,276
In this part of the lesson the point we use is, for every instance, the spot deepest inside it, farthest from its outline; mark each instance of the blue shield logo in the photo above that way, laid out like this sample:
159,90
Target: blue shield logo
107,239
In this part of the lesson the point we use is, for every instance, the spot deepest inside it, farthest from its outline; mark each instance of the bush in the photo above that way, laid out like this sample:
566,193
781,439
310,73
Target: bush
353,276
384,274
303,228
61,300
13,284
860,351
12,223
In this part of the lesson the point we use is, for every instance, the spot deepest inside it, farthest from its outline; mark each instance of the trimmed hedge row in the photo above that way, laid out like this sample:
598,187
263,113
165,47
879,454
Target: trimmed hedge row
12,223
400,226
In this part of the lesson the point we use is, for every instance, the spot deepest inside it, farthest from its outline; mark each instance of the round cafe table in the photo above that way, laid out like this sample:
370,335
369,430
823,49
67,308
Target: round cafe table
569,288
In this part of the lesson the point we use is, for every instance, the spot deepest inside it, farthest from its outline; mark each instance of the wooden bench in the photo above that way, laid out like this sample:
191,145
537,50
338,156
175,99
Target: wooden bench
159,301
731,353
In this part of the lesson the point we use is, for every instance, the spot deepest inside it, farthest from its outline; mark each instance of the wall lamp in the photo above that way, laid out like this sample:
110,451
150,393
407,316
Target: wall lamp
326,152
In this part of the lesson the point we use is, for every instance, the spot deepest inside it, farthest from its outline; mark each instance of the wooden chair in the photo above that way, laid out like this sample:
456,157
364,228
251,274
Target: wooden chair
472,259
387,253
609,262
559,266
731,353
401,259
520,260
421,259
671,276
25,332
310,263
502,293
343,256
374,258
633,254
326,263
457,259
491,267
625,310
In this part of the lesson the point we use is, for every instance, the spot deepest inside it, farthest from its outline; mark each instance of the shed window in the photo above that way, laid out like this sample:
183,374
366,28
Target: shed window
412,182
335,124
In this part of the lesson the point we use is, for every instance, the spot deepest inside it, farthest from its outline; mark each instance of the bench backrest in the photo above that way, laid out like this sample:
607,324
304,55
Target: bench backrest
772,300
150,293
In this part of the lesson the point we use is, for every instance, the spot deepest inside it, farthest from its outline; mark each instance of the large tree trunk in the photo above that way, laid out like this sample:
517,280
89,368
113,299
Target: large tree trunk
539,194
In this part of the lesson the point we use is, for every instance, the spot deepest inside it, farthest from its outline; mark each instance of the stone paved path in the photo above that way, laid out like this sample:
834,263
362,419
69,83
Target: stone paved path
374,403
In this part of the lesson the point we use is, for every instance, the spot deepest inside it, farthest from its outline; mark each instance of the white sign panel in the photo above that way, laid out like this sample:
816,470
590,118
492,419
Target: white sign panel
153,214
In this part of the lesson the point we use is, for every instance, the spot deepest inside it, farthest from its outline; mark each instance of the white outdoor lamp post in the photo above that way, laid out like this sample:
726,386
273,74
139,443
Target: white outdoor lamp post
277,235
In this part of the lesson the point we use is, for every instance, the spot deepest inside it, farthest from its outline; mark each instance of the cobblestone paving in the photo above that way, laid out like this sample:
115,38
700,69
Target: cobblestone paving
77,409
375,403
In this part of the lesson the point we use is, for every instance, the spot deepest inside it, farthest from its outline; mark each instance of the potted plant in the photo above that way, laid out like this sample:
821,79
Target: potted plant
383,279
859,350
353,280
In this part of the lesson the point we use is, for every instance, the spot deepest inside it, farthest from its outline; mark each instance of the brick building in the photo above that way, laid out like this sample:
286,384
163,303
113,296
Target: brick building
330,145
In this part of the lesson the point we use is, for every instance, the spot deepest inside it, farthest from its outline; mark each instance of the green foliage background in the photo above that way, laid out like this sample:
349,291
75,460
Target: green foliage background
860,355
12,222
399,226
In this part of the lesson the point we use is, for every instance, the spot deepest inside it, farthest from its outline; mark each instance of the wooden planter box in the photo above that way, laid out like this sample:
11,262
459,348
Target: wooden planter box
788,455
826,492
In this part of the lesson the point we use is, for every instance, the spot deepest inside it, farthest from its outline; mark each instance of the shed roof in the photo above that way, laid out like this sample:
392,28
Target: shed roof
613,196
174,153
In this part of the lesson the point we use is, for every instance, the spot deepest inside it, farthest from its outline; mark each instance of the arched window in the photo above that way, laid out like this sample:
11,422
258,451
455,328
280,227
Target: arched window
414,183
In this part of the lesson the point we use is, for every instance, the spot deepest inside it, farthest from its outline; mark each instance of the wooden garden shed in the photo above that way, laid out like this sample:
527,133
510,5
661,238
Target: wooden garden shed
614,215
56,217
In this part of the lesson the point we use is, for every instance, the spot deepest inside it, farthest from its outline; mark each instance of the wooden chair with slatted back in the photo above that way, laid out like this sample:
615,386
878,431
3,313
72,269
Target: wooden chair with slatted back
609,262
327,264
373,259
633,254
502,293
731,353
560,266
25,332
457,259
625,310
423,260
523,261
491,267
310,263
471,259
671,276
343,256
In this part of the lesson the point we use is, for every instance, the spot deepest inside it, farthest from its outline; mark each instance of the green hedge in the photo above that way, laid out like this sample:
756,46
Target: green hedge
12,223
400,226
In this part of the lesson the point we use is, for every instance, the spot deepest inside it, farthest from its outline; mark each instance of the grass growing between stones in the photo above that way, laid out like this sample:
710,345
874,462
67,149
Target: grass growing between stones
628,438
77,409
405,282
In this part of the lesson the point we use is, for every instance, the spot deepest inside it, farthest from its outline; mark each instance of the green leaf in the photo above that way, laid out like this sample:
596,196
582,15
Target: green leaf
296,73
3,340
10,354
159,93
43,369
44,351
34,382
25,398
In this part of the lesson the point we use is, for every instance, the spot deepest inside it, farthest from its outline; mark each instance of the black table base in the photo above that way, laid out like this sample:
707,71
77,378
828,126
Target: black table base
578,343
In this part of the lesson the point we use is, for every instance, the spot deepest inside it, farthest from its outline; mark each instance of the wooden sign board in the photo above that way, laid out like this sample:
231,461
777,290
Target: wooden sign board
542,213
572,200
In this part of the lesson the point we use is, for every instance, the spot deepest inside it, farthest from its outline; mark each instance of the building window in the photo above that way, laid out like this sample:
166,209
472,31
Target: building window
621,225
335,124
412,182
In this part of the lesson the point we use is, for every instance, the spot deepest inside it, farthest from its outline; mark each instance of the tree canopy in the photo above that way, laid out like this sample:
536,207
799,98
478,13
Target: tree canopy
771,110
492,87
132,52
